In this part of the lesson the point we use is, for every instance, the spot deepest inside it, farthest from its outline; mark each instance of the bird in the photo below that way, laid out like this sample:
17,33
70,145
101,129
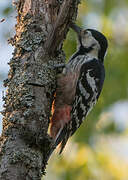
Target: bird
79,85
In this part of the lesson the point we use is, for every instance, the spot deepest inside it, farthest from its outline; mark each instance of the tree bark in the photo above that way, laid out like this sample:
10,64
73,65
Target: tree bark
41,27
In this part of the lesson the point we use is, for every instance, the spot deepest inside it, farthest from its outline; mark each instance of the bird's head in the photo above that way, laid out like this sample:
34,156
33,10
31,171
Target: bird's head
92,41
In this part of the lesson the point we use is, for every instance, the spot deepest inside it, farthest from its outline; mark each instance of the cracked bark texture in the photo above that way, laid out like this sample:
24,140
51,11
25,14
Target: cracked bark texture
41,27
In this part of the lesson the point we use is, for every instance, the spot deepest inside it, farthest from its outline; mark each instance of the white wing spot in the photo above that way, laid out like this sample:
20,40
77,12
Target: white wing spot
91,81
83,91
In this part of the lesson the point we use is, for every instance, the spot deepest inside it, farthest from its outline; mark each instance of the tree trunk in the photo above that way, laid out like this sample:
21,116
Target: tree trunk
41,28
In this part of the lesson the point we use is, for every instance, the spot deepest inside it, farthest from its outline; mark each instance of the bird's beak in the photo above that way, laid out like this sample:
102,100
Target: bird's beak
76,28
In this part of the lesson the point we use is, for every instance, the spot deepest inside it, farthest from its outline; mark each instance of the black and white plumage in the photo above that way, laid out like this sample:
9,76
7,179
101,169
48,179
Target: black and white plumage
79,86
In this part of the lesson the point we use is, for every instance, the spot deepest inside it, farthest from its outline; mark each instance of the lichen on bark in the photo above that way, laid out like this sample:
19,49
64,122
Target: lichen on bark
25,144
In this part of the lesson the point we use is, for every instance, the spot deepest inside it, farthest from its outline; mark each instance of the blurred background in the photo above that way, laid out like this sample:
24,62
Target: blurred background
99,149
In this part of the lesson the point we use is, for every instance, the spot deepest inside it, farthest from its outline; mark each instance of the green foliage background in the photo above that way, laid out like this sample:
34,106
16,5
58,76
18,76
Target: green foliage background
97,150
